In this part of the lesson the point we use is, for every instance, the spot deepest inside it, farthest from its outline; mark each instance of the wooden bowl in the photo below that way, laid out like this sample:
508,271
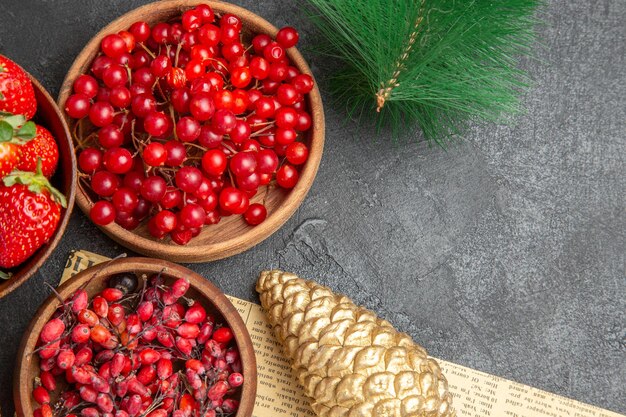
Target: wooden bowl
49,116
232,235
95,278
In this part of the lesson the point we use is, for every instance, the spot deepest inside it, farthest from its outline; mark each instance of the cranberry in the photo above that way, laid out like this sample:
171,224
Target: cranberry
176,153
90,160
77,106
287,176
102,213
187,129
154,154
86,85
113,45
287,37
156,123
201,106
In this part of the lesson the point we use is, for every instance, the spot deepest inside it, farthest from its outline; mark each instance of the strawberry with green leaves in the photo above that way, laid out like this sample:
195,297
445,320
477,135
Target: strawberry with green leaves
14,132
30,210
42,147
17,95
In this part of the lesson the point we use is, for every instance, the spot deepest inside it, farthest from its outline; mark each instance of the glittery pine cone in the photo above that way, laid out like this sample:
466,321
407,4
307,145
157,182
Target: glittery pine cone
350,362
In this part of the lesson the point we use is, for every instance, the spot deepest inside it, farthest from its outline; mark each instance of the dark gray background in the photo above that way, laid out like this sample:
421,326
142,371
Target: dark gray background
505,254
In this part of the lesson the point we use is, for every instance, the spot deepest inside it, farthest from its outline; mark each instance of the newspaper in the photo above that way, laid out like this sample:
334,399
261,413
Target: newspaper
476,394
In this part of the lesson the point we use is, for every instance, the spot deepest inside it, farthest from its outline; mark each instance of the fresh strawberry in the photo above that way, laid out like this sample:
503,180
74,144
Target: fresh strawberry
17,95
30,210
9,157
42,146
14,131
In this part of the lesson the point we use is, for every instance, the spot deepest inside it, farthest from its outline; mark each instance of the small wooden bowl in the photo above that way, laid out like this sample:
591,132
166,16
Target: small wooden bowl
232,235
49,116
95,278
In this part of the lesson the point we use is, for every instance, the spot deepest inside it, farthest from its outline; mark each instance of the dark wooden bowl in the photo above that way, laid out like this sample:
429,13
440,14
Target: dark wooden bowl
232,235
95,278
49,116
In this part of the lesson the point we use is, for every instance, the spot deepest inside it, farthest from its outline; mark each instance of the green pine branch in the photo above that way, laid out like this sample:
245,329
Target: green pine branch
438,63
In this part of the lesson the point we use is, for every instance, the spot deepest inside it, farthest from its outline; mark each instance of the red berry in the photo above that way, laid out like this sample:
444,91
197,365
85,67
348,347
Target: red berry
303,83
140,30
176,153
100,334
287,95
155,154
180,99
153,188
286,117
287,176
161,33
100,306
129,40
303,122
209,35
188,179
86,85
41,395
143,104
297,153
156,123
267,161
287,37
192,215
201,106
165,221
118,160
223,335
255,214
241,77
104,183
143,76
273,52
52,330
176,78
120,97
187,129
243,164
101,114
161,66
65,359
214,162
285,136
77,106
264,107
102,213
115,76
224,121
188,330
113,45
191,20
90,160
110,136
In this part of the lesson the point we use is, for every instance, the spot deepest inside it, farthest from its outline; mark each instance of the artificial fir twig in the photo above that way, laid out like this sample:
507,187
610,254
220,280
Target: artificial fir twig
440,64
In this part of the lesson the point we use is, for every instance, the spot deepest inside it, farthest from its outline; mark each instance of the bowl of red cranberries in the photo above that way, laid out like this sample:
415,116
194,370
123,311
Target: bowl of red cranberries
199,129
136,337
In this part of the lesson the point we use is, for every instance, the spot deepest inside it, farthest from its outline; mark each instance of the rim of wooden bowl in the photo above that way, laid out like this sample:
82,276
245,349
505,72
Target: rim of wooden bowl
252,235
66,150
23,382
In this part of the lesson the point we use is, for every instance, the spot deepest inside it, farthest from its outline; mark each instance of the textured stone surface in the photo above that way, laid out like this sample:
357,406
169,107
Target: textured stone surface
505,254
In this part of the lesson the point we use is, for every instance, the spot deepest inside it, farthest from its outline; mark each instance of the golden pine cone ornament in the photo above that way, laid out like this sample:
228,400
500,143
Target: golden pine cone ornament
350,362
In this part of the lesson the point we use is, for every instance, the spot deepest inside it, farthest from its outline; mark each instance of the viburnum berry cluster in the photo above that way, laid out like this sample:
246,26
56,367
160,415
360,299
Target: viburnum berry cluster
127,353
183,122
